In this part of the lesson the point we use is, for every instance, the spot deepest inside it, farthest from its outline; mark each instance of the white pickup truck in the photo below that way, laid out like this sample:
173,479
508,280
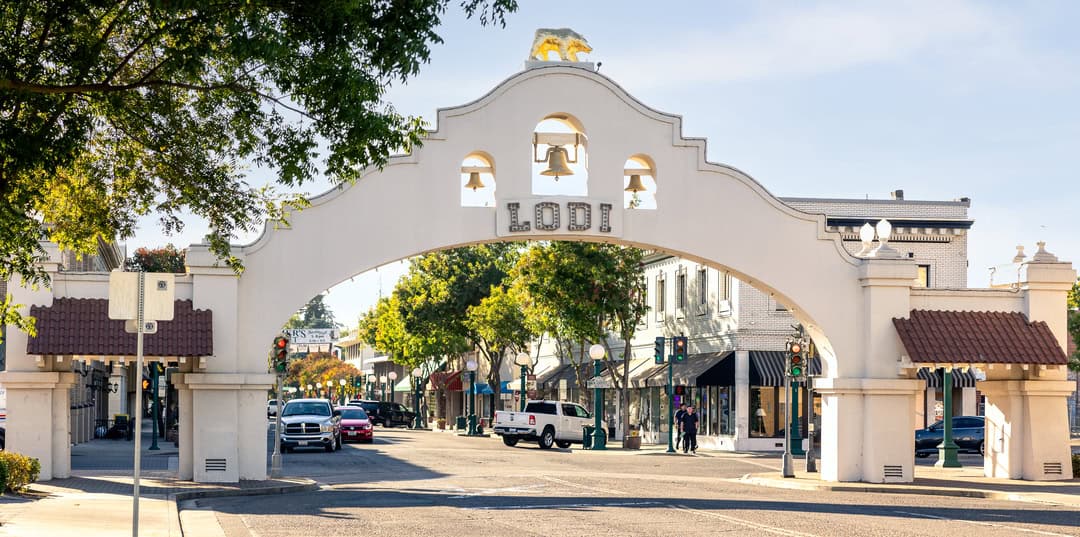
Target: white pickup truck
550,423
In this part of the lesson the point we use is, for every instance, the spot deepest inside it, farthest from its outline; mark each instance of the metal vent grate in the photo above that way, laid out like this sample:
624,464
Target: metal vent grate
1053,468
215,465
894,471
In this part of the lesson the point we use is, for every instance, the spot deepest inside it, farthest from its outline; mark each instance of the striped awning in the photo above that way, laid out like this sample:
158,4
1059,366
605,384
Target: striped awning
935,378
767,367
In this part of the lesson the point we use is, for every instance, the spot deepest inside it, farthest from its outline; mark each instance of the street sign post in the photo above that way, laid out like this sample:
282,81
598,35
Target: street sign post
140,297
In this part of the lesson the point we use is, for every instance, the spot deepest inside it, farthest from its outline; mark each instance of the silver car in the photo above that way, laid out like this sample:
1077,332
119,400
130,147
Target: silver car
310,423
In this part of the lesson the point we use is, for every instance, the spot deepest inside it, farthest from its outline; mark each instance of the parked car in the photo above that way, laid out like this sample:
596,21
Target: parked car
386,413
271,408
549,423
967,432
355,425
310,423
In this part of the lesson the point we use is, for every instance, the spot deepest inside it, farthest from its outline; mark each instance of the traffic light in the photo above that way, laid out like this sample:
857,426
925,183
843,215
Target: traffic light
281,353
680,347
658,349
796,360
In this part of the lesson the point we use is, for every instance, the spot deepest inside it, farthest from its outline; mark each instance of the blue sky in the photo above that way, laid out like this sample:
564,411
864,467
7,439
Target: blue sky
840,99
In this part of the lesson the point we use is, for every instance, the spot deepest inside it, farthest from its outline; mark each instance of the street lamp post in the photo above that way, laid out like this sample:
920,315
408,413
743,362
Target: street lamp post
947,448
341,383
393,377
599,441
318,390
371,386
522,359
416,374
310,389
382,382
471,366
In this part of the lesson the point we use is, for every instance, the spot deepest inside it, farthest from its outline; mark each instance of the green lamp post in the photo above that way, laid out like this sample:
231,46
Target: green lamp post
947,449
390,386
371,386
524,361
416,374
342,383
596,352
471,366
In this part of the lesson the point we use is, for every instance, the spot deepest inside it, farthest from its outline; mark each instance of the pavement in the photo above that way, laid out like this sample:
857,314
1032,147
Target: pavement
97,500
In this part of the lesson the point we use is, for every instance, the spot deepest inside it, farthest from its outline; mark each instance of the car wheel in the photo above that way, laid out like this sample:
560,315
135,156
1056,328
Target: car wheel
562,444
982,448
329,447
510,440
338,447
547,439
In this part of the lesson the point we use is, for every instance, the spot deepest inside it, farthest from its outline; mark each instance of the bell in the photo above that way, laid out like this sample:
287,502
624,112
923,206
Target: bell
474,181
635,184
556,159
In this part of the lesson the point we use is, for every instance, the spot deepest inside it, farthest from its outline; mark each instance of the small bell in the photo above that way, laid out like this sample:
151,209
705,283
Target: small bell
635,184
474,181
556,159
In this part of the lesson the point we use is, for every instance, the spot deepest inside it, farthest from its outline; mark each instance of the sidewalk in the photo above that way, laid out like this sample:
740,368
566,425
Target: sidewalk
97,499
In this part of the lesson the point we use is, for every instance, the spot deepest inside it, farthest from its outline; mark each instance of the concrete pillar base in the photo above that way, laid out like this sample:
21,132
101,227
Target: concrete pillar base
1027,429
40,398
868,429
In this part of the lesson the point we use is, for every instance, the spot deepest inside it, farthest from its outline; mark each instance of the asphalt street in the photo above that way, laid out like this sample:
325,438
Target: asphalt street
418,483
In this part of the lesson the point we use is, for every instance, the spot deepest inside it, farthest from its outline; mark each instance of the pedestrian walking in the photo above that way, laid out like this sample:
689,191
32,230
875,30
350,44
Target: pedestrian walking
678,424
689,430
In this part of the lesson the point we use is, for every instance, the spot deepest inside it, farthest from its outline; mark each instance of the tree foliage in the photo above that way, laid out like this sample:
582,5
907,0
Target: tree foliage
164,259
314,314
585,293
1074,324
319,367
114,110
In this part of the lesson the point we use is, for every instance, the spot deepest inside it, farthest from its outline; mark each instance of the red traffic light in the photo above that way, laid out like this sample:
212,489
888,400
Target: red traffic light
281,342
796,359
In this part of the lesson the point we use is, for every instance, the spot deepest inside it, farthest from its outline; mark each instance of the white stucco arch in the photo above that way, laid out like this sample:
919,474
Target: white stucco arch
710,213
405,210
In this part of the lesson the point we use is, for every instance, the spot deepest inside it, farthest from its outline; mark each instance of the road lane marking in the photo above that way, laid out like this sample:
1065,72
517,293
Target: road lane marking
743,522
487,492
989,524
585,487
558,506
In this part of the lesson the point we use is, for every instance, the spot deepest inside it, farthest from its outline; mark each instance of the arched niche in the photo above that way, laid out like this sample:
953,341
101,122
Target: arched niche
477,180
566,131
644,167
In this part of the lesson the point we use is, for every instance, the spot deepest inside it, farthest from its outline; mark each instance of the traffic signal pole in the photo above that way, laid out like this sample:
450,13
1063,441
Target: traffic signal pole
275,459
788,469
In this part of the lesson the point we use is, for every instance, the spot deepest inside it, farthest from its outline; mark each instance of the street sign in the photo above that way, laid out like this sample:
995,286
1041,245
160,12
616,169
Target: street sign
313,336
600,382
158,295
149,327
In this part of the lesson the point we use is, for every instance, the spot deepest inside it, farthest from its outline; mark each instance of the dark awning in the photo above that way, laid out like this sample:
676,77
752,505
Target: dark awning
720,374
767,367
686,373
977,337
935,379
82,327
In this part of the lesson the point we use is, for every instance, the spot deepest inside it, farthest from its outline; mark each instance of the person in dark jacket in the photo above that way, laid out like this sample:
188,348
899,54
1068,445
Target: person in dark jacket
689,430
678,424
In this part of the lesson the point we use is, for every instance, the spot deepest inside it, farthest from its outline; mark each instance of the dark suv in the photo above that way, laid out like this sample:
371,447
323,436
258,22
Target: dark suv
967,434
386,413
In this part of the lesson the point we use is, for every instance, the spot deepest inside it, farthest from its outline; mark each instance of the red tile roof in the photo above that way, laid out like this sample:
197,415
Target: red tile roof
81,326
978,337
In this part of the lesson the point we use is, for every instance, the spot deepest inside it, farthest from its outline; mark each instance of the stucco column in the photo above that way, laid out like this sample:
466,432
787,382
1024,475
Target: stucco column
61,425
185,432
743,419
868,411
1027,430
228,389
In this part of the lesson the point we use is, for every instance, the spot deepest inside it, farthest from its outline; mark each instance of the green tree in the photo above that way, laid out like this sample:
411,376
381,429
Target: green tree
440,289
1074,324
114,110
315,314
164,259
587,293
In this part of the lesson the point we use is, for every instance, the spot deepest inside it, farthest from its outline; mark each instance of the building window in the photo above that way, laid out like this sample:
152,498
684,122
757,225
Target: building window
661,296
703,287
680,291
923,279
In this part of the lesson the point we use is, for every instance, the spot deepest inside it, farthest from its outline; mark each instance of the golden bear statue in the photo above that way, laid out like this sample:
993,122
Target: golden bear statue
565,41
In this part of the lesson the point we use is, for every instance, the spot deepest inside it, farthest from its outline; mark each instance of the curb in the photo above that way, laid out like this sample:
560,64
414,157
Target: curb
175,499
897,489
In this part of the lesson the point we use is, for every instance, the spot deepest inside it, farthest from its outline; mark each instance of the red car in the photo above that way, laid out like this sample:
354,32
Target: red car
355,425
